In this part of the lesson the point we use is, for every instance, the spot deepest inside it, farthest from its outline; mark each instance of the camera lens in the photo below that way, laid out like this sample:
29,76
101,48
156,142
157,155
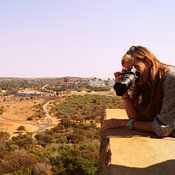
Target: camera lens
124,83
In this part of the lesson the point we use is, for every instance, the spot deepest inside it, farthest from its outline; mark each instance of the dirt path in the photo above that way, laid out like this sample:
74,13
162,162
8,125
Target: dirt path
11,125
48,117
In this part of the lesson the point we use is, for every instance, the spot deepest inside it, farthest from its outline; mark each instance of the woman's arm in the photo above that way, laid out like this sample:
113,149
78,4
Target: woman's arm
129,107
143,126
130,110
121,123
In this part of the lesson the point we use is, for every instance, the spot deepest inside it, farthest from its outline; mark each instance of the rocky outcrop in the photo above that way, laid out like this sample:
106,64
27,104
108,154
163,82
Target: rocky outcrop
125,152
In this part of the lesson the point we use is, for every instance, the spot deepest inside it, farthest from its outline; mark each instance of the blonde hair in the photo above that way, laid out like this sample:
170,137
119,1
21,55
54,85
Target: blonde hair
148,99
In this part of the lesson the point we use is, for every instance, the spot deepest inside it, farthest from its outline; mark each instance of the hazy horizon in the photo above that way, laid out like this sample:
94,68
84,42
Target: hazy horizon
42,38
45,77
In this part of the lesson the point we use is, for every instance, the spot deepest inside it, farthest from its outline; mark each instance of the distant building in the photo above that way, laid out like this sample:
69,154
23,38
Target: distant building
28,93
96,82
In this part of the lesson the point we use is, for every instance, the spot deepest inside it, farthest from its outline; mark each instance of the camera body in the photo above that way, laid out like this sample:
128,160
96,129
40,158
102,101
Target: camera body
128,78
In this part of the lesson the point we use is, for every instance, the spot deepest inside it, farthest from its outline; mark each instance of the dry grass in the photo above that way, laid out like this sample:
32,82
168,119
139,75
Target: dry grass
16,111
20,110
12,128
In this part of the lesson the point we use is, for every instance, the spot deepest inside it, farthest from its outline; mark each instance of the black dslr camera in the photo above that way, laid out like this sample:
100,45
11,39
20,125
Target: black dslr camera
128,78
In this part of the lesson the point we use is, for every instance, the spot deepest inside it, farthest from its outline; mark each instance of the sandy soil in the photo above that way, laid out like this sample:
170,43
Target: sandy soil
12,128
107,93
116,113
20,110
16,112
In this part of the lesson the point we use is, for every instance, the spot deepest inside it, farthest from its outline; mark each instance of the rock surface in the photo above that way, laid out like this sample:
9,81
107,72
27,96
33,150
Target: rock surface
125,152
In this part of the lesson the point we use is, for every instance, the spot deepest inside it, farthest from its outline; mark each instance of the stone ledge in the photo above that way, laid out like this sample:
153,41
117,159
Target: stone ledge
125,152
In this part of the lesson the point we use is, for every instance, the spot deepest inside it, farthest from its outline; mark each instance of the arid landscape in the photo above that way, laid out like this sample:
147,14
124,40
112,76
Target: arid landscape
33,112
52,122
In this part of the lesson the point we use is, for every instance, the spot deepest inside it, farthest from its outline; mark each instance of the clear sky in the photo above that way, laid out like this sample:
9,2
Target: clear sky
54,38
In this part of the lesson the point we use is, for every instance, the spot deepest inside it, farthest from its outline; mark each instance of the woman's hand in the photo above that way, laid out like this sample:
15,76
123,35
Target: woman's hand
113,123
117,75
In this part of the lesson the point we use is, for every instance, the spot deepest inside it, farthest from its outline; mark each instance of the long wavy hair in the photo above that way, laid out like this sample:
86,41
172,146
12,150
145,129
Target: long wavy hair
147,98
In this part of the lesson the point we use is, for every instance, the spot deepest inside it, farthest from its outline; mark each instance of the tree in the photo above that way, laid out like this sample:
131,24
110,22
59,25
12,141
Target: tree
1,110
18,160
66,123
78,165
21,128
22,140
45,138
4,138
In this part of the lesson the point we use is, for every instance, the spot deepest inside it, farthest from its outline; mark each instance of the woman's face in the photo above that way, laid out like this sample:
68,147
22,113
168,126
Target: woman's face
141,66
